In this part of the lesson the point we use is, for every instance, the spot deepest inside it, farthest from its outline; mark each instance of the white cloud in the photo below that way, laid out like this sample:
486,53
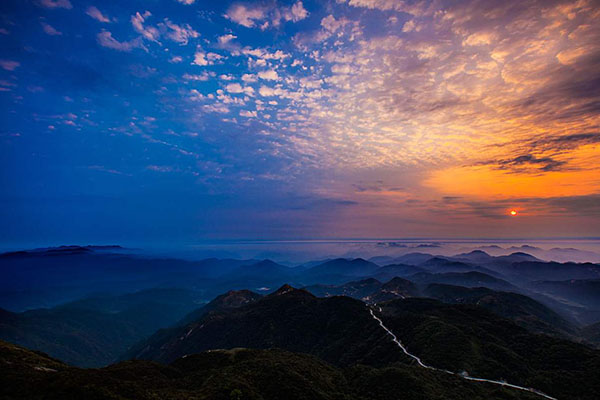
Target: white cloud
252,15
298,12
409,26
236,88
270,75
249,78
225,39
245,15
176,59
180,33
248,114
9,65
149,32
56,4
106,39
50,30
200,59
199,77
97,14
186,2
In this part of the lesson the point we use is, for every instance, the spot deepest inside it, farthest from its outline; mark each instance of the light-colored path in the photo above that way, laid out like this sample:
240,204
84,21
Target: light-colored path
469,378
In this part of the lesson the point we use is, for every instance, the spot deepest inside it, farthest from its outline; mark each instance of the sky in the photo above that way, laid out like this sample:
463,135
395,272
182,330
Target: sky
186,120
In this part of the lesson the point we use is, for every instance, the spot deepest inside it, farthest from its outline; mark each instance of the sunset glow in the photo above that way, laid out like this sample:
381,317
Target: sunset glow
187,120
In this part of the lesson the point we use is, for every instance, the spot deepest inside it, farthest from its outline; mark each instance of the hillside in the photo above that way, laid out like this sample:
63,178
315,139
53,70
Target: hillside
95,331
337,329
238,374
521,309
470,338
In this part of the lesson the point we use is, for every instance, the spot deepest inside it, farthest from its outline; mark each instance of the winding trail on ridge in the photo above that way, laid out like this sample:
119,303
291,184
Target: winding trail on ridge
469,378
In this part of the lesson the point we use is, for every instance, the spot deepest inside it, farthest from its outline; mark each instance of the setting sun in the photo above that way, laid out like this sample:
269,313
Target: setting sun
513,213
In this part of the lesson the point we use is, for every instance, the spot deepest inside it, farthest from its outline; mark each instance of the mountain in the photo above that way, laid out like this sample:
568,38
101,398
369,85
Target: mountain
230,375
466,279
521,309
442,265
413,258
338,271
339,330
369,290
475,256
395,288
355,289
393,270
585,292
264,269
95,331
229,300
530,271
461,337
592,333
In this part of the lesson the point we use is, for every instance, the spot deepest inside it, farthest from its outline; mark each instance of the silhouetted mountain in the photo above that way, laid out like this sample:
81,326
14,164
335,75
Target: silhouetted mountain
340,330
231,299
529,271
265,269
591,333
466,279
230,375
442,265
355,289
413,258
95,331
582,292
395,288
342,266
61,250
521,309
469,338
476,256
391,271
34,279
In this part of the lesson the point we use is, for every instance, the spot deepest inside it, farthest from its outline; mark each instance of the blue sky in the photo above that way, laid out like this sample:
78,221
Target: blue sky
182,120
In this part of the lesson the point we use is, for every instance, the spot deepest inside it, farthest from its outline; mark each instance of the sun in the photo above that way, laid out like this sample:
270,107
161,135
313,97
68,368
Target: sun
513,212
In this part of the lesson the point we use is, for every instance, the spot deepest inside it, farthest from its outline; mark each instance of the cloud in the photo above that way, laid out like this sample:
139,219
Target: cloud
270,75
249,78
97,14
297,12
248,114
253,15
236,88
50,30
543,163
205,76
9,65
56,4
245,15
180,33
149,32
226,39
186,2
106,39
200,59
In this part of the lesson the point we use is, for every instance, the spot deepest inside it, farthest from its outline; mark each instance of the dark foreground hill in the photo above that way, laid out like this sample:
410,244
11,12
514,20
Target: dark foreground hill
470,338
522,310
341,331
94,331
238,374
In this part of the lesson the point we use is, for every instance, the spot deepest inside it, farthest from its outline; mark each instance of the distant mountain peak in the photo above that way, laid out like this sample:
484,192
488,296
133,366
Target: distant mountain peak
286,290
283,290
